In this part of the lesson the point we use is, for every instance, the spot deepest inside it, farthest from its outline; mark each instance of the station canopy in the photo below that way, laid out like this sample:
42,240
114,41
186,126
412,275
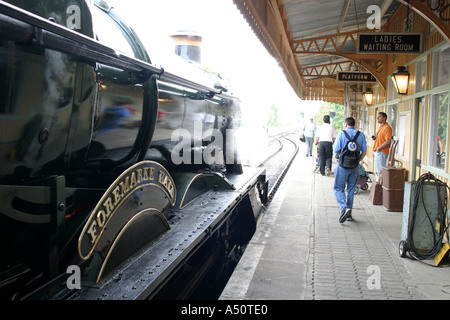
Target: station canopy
313,40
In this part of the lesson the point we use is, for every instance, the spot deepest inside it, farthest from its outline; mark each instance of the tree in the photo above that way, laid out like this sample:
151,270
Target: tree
274,117
325,109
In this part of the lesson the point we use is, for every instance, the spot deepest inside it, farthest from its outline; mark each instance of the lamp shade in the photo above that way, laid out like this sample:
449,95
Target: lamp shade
368,97
401,81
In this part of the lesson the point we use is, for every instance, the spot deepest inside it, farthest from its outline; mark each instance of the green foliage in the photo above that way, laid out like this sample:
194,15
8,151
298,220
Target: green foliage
274,117
443,117
325,110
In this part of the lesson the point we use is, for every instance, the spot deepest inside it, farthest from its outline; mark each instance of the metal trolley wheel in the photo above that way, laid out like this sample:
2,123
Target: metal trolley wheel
402,248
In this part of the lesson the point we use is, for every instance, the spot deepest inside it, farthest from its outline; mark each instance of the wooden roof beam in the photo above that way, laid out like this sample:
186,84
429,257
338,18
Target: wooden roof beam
329,44
328,69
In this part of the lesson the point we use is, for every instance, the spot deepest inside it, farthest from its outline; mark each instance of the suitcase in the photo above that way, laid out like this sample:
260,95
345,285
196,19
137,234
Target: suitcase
376,193
393,177
393,188
393,199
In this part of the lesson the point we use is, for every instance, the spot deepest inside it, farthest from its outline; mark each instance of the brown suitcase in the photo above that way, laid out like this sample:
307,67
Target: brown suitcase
393,199
393,188
393,177
376,193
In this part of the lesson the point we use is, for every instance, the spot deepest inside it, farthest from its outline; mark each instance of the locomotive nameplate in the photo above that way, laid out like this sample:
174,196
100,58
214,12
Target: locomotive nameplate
129,184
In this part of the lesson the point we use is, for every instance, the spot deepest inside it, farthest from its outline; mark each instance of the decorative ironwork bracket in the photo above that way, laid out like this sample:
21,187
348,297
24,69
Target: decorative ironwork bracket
436,12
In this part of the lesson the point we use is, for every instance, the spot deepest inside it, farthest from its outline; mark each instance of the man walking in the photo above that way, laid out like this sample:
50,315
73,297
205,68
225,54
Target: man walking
382,142
326,135
309,131
347,178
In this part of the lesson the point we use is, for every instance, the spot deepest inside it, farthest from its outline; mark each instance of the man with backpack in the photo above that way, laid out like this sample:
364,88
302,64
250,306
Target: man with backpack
351,147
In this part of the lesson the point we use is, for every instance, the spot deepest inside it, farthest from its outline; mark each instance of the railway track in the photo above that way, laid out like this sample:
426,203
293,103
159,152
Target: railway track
276,159
281,151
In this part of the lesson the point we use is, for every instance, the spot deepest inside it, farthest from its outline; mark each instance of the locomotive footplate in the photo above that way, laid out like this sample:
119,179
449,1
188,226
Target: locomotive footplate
221,217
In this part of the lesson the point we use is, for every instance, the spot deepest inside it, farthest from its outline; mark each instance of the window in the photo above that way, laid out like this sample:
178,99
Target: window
404,134
421,75
392,92
438,133
392,118
372,129
366,122
401,135
441,67
434,6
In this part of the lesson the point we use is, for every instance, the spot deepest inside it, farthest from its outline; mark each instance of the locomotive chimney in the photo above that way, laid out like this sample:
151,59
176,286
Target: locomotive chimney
188,45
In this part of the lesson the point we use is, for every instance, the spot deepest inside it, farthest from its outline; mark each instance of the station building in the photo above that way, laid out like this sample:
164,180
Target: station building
325,48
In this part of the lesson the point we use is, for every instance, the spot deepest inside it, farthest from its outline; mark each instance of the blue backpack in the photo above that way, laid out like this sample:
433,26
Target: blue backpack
349,157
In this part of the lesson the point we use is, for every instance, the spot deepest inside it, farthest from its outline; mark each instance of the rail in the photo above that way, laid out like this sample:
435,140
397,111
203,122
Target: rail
279,161
276,138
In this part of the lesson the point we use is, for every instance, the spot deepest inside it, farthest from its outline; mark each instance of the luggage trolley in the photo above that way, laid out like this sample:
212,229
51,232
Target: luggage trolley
424,221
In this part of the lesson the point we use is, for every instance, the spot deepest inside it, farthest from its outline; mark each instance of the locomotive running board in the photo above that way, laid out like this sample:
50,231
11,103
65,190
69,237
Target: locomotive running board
147,271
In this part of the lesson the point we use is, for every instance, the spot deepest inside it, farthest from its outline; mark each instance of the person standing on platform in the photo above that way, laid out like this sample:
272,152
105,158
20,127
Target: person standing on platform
325,137
309,131
347,178
382,143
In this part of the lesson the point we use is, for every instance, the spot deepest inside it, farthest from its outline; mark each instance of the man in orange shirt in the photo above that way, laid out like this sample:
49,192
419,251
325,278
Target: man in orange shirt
382,142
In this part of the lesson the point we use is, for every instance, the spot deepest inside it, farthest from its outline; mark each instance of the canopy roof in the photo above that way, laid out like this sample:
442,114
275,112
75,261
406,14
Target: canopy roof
315,39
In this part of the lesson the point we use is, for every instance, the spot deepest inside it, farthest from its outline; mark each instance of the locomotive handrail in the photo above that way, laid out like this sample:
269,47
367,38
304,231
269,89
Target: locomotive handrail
25,27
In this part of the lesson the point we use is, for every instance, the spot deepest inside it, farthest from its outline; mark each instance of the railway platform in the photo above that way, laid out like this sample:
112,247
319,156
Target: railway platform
300,251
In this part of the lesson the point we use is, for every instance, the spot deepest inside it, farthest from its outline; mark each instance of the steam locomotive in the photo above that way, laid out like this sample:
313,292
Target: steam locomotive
110,166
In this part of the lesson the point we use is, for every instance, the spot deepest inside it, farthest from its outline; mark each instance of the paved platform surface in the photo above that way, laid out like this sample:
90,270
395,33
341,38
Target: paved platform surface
300,251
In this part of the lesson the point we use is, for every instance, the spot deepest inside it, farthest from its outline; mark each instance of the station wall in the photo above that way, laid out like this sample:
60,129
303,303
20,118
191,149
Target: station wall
420,119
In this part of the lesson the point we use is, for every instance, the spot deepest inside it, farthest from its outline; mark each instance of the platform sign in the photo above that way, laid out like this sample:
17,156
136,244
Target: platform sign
355,76
389,43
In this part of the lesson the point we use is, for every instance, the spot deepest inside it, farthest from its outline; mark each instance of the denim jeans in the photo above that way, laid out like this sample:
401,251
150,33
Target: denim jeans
345,178
309,145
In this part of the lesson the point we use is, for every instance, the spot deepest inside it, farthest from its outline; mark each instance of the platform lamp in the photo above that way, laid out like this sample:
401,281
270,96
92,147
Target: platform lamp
368,97
401,80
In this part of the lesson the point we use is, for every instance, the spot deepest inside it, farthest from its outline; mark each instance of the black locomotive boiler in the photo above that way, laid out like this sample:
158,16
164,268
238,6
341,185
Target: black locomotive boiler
118,179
